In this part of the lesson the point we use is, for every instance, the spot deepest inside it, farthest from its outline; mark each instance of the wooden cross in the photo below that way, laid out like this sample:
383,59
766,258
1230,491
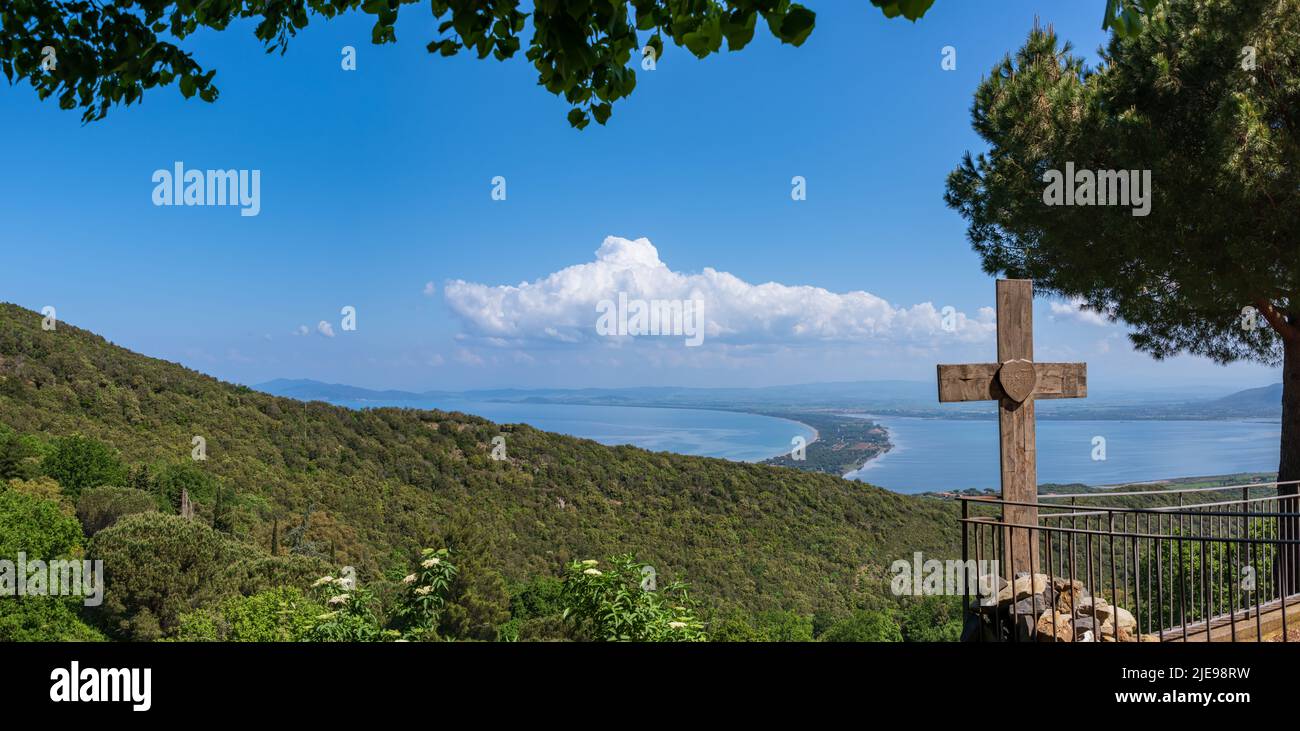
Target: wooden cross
1014,382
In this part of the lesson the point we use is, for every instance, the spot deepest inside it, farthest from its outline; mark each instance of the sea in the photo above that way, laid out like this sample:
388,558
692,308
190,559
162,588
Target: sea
929,454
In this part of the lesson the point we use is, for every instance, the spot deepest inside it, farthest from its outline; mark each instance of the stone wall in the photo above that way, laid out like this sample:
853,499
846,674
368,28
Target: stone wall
1042,608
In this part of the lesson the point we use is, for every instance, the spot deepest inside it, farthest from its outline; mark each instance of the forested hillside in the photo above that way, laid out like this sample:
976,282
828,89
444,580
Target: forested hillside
370,488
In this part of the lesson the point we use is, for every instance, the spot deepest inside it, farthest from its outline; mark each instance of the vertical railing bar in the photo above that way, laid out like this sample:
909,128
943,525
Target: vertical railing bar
1160,583
1182,577
1010,541
1110,519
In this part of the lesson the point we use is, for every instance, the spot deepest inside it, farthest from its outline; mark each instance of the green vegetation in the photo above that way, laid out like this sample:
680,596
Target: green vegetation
293,491
615,604
41,528
282,614
77,463
843,443
100,507
586,52
1203,102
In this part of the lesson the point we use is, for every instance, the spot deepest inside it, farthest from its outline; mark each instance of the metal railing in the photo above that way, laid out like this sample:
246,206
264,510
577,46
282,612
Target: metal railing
1196,564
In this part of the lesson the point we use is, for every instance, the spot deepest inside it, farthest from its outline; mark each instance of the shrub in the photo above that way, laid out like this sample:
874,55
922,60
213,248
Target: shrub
173,479
44,619
36,526
164,565
733,625
45,488
788,626
932,619
78,462
282,614
100,507
865,626
350,614
13,455
610,605
424,596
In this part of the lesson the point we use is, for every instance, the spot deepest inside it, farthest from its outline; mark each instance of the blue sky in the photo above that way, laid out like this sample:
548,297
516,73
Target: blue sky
377,181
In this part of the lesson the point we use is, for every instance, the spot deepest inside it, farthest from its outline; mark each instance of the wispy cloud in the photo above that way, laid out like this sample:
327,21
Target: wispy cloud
1075,310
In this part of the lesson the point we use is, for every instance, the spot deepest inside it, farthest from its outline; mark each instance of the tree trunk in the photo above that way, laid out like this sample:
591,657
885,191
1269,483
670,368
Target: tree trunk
1287,568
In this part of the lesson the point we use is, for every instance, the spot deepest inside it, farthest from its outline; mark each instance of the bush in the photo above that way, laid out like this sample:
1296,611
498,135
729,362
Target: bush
932,619
78,462
39,526
260,572
734,625
541,597
350,614
864,626
610,605
44,619
36,526
791,626
282,614
45,488
13,455
423,601
172,479
164,565
100,507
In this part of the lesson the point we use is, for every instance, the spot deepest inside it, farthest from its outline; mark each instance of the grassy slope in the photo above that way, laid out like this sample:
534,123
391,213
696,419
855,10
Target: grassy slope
385,481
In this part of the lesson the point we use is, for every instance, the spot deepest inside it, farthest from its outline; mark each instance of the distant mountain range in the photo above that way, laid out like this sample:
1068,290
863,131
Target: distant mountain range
897,398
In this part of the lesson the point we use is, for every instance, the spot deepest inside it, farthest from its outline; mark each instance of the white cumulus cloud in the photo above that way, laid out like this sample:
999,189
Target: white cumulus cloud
324,328
1074,310
562,307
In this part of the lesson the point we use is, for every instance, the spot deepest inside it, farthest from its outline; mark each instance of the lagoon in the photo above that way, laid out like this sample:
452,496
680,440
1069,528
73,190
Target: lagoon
955,454
702,432
929,454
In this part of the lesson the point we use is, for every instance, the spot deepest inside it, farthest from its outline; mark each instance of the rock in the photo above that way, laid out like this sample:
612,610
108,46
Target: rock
1086,624
1025,627
1095,607
1023,587
1054,627
1107,628
1069,598
1061,584
984,588
1125,619
1032,606
1148,638
975,631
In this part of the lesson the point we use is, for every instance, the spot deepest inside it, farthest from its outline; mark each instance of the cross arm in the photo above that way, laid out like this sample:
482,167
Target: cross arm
979,381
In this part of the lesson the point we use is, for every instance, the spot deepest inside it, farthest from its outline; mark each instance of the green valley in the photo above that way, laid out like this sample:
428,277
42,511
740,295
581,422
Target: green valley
291,489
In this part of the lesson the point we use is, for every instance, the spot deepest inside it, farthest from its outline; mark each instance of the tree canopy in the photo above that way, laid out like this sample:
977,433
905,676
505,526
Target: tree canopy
93,56
1205,98
1220,141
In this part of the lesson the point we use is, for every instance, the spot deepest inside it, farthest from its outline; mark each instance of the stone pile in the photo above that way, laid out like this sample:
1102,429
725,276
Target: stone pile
1046,608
